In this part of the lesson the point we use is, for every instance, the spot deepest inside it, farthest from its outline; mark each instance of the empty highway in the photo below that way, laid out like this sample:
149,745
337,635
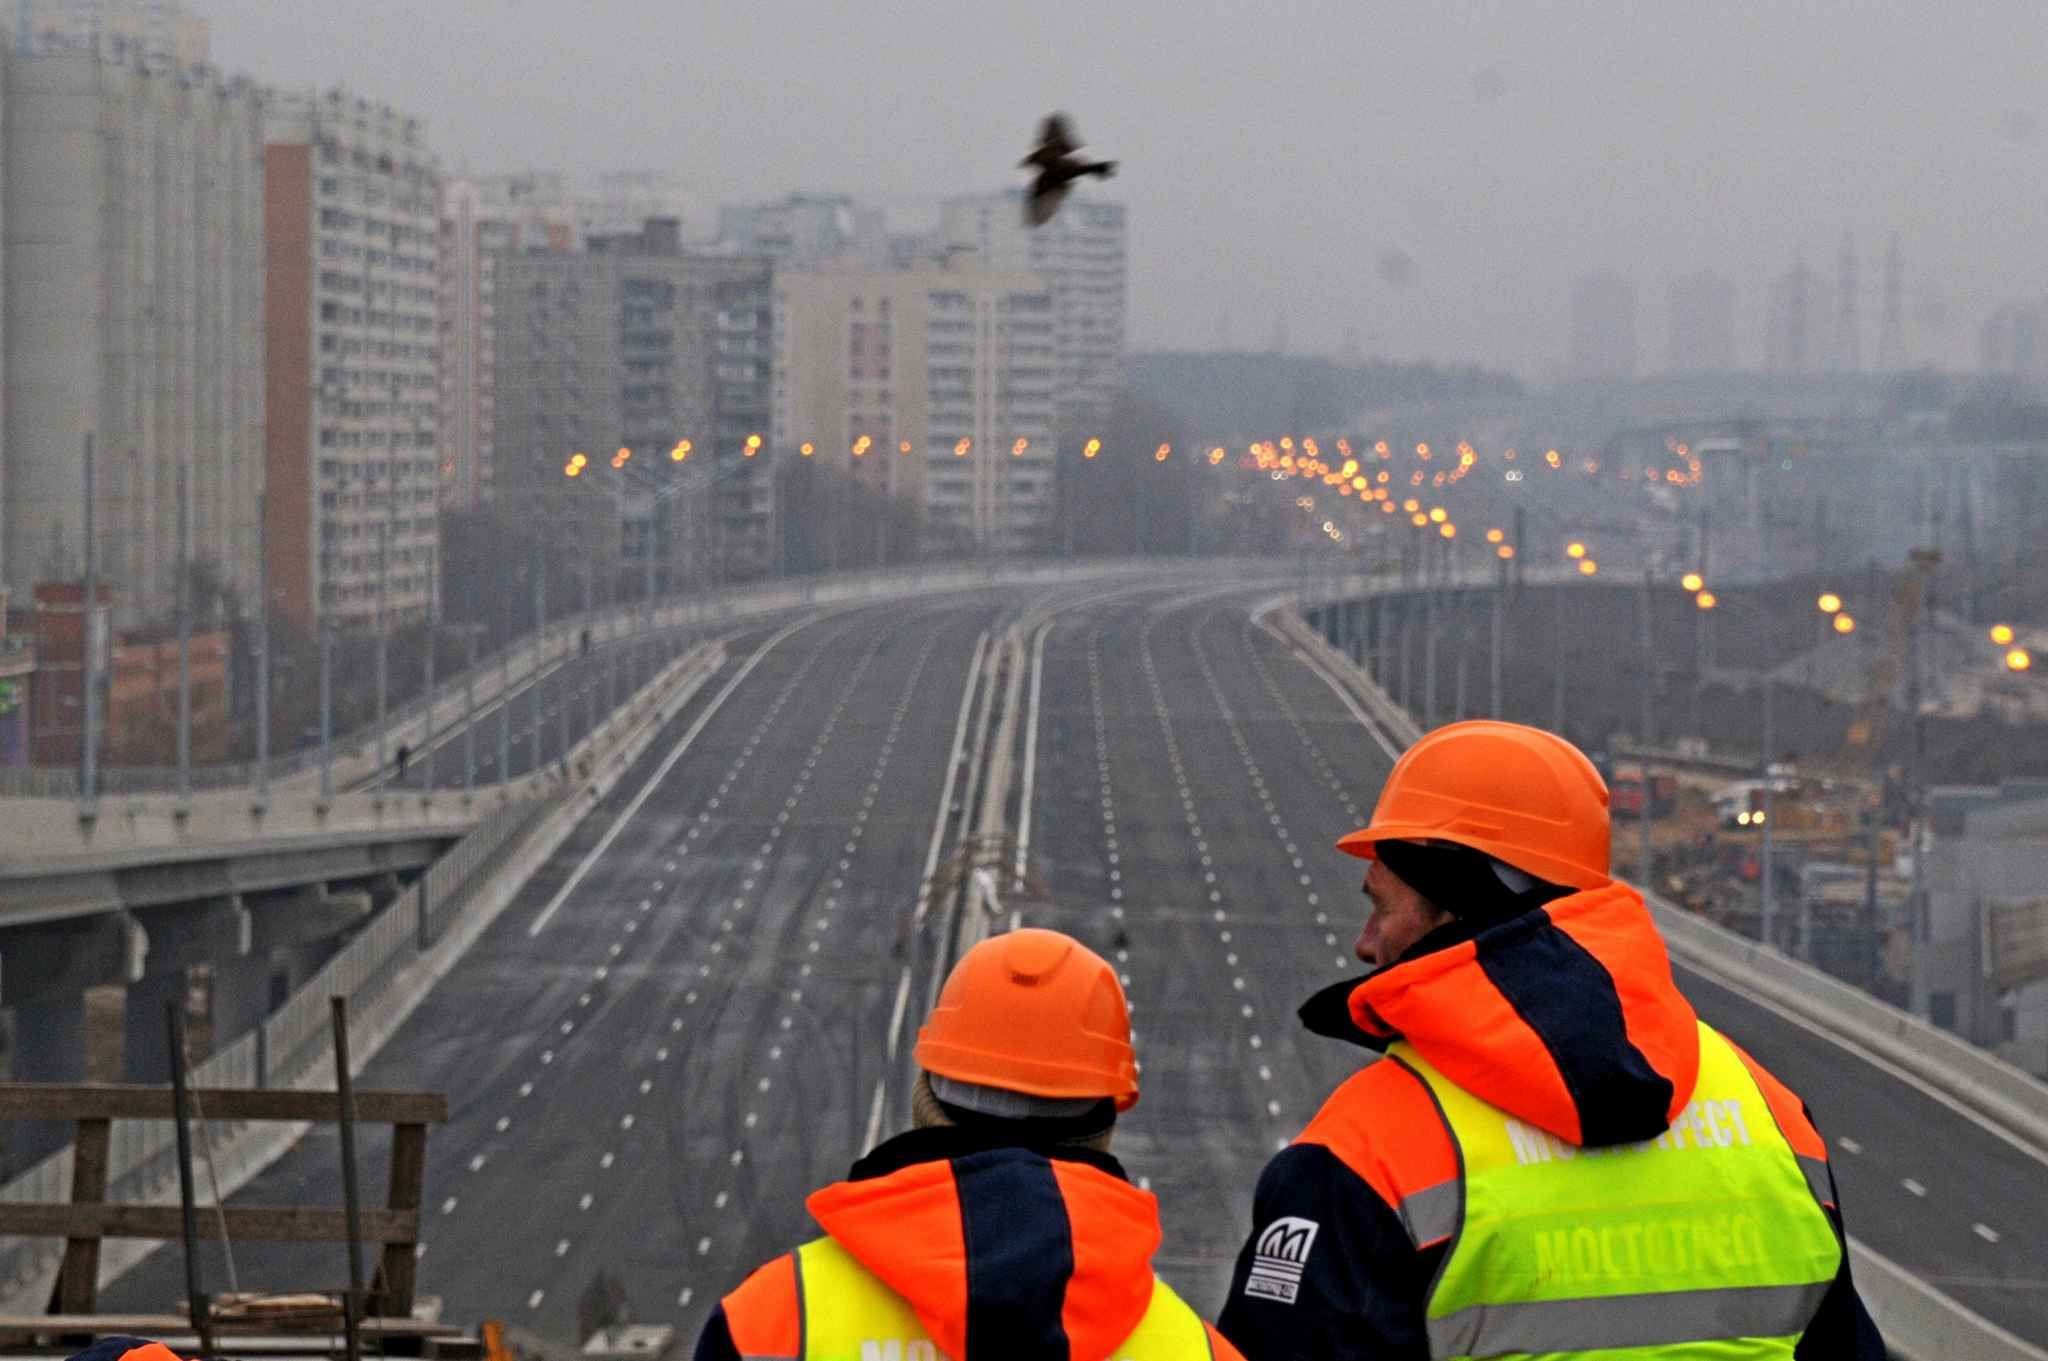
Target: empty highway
649,1073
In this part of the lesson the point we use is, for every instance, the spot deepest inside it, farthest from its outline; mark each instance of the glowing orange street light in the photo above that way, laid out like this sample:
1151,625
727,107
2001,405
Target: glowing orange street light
1418,519
1387,507
2019,659
1552,457
1829,603
625,454
1506,552
1495,535
1438,514
1216,456
960,449
1706,600
1411,505
1576,551
572,470
862,445
753,445
1019,447
807,448
1693,581
2002,634
681,451
1844,624
1449,531
1587,567
1159,454
1091,449
903,448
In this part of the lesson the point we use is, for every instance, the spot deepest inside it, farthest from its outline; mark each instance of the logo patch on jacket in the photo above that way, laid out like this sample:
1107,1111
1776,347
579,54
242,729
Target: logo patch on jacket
1279,1258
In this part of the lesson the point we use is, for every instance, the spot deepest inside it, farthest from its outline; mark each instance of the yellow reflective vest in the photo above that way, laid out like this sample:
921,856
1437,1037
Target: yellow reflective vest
1706,1242
846,1313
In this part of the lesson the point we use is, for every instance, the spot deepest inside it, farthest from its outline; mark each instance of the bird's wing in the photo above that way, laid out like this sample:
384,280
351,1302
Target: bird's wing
1044,200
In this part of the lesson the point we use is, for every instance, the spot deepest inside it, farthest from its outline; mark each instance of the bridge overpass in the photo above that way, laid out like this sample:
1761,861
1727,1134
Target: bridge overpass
698,1003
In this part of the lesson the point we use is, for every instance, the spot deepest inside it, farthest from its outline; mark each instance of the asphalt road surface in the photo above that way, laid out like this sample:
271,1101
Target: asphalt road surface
649,1083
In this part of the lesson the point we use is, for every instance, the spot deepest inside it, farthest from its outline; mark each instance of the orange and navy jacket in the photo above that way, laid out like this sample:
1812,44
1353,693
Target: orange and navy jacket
1567,1017
1001,1251
126,1349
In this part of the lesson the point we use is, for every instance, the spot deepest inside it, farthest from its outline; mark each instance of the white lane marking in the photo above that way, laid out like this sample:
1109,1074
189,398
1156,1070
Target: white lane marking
874,1134
660,773
1030,751
448,1206
931,859
1913,1186
561,1247
533,1300
1985,1232
585,1201
476,1164
1848,1145
896,1016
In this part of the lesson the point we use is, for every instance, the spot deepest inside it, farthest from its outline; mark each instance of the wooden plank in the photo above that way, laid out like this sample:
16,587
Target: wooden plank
269,1223
77,1290
400,1269
177,1325
114,1101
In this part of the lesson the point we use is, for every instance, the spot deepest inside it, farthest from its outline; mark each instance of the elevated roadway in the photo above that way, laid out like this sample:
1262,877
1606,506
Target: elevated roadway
684,1023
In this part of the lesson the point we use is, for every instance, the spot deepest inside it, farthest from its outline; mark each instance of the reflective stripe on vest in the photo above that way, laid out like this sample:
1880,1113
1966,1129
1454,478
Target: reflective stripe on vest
850,1315
1712,1234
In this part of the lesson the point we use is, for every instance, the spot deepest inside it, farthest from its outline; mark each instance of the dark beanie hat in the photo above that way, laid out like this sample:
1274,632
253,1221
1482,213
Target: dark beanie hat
1468,884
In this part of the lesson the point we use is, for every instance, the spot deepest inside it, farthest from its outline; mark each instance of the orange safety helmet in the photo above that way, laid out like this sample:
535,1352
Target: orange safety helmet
1033,1011
1524,796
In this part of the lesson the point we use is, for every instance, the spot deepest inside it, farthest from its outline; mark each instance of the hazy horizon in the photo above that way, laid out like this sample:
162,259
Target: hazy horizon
1281,168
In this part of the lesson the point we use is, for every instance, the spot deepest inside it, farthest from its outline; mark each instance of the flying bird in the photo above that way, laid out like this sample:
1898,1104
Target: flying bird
1058,162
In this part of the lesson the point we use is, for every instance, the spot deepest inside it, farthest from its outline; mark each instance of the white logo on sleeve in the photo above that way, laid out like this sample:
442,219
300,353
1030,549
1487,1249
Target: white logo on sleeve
1279,1258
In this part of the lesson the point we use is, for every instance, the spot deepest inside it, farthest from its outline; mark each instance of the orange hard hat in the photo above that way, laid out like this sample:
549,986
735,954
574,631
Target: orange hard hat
1033,1011
1524,796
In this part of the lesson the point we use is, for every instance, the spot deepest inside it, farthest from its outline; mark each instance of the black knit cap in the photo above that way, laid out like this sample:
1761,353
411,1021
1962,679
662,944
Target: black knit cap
1466,883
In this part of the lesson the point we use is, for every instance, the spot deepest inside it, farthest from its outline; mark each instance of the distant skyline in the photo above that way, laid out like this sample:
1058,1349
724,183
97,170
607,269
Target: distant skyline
1283,165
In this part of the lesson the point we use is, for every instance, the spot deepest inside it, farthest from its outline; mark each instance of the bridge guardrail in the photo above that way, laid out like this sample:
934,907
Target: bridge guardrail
1920,1322
556,641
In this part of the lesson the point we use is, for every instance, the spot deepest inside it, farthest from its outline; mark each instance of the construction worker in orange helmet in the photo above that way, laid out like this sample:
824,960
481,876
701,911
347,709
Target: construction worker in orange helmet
999,1224
1438,1205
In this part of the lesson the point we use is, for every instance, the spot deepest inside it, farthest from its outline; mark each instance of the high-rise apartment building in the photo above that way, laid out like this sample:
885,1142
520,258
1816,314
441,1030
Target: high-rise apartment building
164,34
1603,327
482,218
353,226
634,343
806,229
132,217
958,363
1702,320
1081,257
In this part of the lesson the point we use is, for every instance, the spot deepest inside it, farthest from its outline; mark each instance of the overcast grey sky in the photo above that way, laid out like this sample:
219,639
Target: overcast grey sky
1272,153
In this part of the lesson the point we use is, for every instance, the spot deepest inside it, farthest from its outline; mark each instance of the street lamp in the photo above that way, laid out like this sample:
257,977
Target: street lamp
2002,634
1693,581
1845,624
2019,659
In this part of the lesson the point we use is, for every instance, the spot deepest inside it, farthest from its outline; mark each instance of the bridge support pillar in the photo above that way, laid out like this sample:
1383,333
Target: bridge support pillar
145,1053
242,995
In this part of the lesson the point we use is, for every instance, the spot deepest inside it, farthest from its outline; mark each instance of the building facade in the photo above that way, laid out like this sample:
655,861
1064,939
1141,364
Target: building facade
959,363
806,230
633,343
481,219
1603,327
1082,257
133,285
352,204
160,33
